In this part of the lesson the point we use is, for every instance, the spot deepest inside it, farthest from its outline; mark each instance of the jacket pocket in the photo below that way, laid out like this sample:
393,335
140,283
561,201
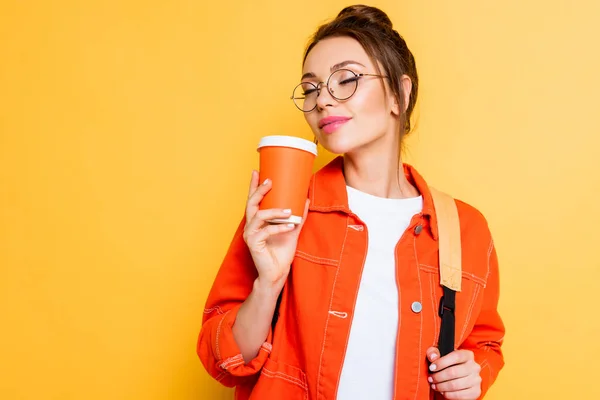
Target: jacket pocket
280,381
468,301
303,255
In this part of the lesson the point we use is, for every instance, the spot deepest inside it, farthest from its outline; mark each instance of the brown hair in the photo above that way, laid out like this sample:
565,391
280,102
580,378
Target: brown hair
373,29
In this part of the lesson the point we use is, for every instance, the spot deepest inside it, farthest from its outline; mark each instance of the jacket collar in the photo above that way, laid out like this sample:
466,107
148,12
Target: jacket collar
328,191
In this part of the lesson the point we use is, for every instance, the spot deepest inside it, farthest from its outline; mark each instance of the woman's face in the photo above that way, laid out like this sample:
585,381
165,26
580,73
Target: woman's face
369,116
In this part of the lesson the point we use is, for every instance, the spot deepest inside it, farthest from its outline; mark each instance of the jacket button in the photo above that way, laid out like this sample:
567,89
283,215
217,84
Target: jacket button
418,229
416,307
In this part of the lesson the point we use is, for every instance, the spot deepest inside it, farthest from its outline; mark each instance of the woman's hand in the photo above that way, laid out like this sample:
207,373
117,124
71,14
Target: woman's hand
456,375
272,246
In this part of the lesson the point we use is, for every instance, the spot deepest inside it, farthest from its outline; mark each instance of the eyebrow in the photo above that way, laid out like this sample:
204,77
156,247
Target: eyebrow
333,68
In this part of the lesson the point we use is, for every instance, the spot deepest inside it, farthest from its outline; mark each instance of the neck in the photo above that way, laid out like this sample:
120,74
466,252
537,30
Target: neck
378,174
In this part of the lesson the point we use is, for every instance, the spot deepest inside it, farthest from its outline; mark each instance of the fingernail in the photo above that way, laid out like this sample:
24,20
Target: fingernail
291,225
433,387
287,211
432,367
430,379
433,357
266,181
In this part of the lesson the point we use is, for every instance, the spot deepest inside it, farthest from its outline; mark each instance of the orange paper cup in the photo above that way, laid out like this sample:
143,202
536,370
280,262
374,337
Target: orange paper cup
288,162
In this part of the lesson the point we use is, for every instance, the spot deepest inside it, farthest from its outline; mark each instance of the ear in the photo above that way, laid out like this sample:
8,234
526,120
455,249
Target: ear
406,86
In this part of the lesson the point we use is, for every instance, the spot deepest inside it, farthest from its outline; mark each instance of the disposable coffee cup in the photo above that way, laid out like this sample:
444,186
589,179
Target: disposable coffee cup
288,162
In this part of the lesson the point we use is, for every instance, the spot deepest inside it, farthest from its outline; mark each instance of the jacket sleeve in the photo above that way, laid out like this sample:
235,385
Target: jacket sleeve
216,345
488,333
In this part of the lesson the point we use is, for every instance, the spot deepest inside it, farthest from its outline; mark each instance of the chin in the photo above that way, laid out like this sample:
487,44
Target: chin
338,145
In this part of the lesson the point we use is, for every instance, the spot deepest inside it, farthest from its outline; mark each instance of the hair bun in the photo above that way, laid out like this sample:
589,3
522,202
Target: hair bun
372,15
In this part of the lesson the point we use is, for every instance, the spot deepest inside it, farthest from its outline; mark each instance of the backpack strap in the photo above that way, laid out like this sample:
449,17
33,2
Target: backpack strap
450,264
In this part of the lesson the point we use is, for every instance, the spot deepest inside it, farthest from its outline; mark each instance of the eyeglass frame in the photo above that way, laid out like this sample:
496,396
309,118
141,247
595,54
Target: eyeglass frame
318,87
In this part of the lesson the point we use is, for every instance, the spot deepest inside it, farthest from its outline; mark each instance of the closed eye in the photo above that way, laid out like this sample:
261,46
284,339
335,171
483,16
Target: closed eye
349,80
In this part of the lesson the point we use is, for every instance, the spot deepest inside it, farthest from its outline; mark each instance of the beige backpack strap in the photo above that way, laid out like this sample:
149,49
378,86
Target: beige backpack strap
449,239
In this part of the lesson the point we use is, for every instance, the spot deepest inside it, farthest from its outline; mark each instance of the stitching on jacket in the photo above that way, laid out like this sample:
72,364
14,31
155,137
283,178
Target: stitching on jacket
215,308
267,347
313,191
490,375
434,308
475,278
358,228
284,376
484,364
231,360
337,271
489,259
219,334
315,259
471,307
465,274
470,313
221,376
420,314
339,314
329,208
235,364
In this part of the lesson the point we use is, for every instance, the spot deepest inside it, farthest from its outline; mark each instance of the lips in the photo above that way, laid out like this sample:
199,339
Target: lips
331,120
331,124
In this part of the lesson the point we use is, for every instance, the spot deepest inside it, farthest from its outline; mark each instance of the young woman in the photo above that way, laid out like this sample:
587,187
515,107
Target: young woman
358,281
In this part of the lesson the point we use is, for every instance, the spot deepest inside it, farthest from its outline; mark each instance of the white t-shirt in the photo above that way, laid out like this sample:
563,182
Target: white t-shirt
368,370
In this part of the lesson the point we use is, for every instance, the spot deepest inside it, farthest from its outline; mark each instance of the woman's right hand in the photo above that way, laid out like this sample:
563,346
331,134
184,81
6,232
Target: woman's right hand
272,246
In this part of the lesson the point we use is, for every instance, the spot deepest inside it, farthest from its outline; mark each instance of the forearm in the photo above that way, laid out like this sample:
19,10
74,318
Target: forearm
253,321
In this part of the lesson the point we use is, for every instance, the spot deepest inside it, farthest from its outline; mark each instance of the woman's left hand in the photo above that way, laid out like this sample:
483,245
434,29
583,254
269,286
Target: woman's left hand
456,375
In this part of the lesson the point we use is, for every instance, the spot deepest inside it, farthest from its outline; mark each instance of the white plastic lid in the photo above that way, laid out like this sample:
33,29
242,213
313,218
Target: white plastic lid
288,141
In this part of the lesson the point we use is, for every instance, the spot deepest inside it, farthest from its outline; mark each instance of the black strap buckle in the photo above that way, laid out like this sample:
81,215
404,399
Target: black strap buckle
447,303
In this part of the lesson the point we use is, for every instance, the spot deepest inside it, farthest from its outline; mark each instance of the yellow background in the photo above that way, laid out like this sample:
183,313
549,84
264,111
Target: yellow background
127,137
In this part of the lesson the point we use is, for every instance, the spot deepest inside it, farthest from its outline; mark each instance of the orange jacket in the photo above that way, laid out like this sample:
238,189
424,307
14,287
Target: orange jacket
302,358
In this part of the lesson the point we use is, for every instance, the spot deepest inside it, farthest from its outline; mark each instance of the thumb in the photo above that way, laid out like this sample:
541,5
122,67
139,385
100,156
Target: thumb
433,353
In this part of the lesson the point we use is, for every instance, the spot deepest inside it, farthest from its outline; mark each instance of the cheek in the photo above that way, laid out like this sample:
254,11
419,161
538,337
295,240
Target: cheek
370,104
312,121
370,98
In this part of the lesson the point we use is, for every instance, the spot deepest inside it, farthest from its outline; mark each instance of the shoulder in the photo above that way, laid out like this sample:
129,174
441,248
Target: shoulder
476,239
472,221
473,224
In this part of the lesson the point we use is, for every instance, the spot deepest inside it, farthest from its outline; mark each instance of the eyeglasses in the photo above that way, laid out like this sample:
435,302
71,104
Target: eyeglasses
341,85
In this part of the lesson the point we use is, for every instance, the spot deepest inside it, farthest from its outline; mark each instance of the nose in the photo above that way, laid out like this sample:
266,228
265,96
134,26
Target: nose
324,98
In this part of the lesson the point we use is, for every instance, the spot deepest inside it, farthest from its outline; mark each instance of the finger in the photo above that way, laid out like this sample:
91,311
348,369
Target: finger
262,216
253,183
456,385
433,353
472,393
258,241
451,373
260,191
456,357
251,189
255,198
